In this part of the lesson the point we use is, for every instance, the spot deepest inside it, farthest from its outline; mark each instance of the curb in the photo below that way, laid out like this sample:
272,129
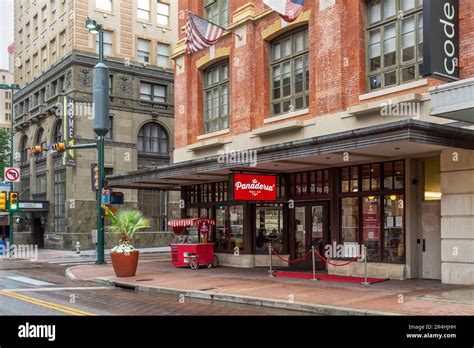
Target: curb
248,300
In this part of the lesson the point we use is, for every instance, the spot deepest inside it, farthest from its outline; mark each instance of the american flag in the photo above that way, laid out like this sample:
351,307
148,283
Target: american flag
201,33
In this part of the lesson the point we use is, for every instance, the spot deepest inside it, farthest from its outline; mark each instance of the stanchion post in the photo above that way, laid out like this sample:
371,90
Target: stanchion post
314,262
365,282
270,254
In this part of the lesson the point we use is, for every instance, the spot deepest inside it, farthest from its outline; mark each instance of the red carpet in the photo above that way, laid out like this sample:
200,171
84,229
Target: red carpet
332,278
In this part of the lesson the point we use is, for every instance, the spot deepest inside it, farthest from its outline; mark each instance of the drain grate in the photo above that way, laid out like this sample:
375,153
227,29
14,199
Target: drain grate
144,280
206,289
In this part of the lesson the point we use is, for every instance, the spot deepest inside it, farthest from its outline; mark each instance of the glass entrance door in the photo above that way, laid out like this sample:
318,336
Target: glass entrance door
310,229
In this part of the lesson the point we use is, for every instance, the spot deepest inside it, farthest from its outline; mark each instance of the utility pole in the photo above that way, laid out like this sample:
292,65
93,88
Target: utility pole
101,128
12,89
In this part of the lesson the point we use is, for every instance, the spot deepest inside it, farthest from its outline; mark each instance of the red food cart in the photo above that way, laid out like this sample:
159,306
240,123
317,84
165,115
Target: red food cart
193,255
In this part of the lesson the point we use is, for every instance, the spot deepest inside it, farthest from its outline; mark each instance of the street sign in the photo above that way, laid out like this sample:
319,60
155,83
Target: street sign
12,175
5,188
105,196
117,198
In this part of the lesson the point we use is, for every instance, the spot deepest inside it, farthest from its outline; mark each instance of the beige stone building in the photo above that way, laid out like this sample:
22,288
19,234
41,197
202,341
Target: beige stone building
54,60
6,77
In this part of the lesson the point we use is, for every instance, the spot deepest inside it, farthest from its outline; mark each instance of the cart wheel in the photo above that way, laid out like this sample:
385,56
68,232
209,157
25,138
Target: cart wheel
215,261
193,263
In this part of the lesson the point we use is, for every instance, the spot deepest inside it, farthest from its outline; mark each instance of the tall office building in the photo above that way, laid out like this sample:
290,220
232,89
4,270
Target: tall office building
54,59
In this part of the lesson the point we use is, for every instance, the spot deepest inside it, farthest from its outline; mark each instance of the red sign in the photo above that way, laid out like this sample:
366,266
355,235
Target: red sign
251,187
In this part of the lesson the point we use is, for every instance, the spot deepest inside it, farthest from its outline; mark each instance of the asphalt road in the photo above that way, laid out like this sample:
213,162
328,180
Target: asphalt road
33,288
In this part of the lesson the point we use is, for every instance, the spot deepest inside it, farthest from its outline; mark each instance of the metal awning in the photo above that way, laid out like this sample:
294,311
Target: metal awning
401,139
454,100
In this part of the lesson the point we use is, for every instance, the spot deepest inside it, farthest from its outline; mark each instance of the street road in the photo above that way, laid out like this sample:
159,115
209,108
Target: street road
34,288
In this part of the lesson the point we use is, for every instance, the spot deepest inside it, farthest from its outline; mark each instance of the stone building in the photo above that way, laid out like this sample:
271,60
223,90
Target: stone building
54,60
334,114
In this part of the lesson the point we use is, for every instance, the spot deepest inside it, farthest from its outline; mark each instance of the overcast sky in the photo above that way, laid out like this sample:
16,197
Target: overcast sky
6,31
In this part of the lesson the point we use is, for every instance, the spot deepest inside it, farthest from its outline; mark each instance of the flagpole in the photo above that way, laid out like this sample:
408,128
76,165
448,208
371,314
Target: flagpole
229,31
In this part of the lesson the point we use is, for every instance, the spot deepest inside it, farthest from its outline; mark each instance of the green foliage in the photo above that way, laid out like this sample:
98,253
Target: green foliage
126,223
4,150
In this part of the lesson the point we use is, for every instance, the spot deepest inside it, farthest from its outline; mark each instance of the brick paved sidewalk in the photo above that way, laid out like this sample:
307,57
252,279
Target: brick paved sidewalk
409,297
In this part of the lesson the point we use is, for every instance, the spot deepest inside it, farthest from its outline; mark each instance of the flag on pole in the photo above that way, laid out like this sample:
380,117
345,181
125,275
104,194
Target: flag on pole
289,10
201,33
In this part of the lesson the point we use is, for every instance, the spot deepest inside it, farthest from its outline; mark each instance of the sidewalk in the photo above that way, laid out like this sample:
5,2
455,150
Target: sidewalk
51,254
254,286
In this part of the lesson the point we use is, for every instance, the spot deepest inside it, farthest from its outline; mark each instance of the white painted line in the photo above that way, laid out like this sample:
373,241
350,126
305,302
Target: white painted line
60,289
30,281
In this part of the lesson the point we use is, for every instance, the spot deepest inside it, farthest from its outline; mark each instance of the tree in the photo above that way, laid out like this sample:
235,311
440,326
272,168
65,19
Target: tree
4,151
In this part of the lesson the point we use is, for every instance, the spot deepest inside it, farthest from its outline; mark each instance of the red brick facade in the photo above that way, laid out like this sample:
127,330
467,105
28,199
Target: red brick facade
337,56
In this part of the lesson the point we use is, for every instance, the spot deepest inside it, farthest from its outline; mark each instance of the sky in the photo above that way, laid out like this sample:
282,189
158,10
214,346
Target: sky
6,31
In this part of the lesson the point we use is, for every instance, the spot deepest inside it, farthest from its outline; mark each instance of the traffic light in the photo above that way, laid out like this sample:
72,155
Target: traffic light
57,147
13,201
96,177
34,150
3,201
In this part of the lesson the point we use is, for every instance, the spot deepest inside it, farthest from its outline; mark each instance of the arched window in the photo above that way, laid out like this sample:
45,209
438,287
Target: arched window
23,149
290,72
57,132
153,138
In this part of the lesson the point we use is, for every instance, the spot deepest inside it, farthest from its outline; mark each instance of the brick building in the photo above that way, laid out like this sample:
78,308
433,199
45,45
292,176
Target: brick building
336,108
54,59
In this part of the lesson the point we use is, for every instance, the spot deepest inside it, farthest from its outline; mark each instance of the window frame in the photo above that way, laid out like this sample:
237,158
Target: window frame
142,140
221,7
220,85
161,15
399,66
152,91
140,52
292,57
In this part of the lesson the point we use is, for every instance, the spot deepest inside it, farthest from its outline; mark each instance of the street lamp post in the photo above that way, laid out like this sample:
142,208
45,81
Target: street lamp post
101,128
12,88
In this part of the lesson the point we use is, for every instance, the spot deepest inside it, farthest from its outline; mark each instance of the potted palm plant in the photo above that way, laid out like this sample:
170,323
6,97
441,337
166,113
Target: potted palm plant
124,256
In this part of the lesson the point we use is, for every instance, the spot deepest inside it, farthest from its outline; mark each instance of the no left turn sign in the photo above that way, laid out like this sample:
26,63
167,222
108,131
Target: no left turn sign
12,175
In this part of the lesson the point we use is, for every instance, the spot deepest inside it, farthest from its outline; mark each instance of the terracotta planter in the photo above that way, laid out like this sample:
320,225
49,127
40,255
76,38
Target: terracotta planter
125,265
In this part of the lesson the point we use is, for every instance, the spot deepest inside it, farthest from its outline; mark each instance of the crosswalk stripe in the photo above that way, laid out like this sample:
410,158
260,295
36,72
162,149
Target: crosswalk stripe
29,281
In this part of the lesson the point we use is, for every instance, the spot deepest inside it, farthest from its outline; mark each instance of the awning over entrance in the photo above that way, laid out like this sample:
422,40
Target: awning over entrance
402,139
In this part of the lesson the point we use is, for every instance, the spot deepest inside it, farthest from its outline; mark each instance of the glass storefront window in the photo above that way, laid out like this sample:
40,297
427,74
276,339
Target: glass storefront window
354,179
375,177
236,214
394,235
192,213
269,227
345,179
371,227
399,175
222,232
350,220
388,176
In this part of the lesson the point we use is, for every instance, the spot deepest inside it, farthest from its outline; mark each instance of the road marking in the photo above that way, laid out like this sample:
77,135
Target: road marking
46,304
30,281
59,289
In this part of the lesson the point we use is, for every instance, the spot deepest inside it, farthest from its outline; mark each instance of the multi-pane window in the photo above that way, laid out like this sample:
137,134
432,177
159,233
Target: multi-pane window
41,183
290,73
394,42
52,50
44,58
216,97
108,42
35,24
110,133
143,10
58,134
105,5
39,141
152,138
217,11
163,55
59,200
152,92
162,14
143,50
44,17
52,7
62,44
35,64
